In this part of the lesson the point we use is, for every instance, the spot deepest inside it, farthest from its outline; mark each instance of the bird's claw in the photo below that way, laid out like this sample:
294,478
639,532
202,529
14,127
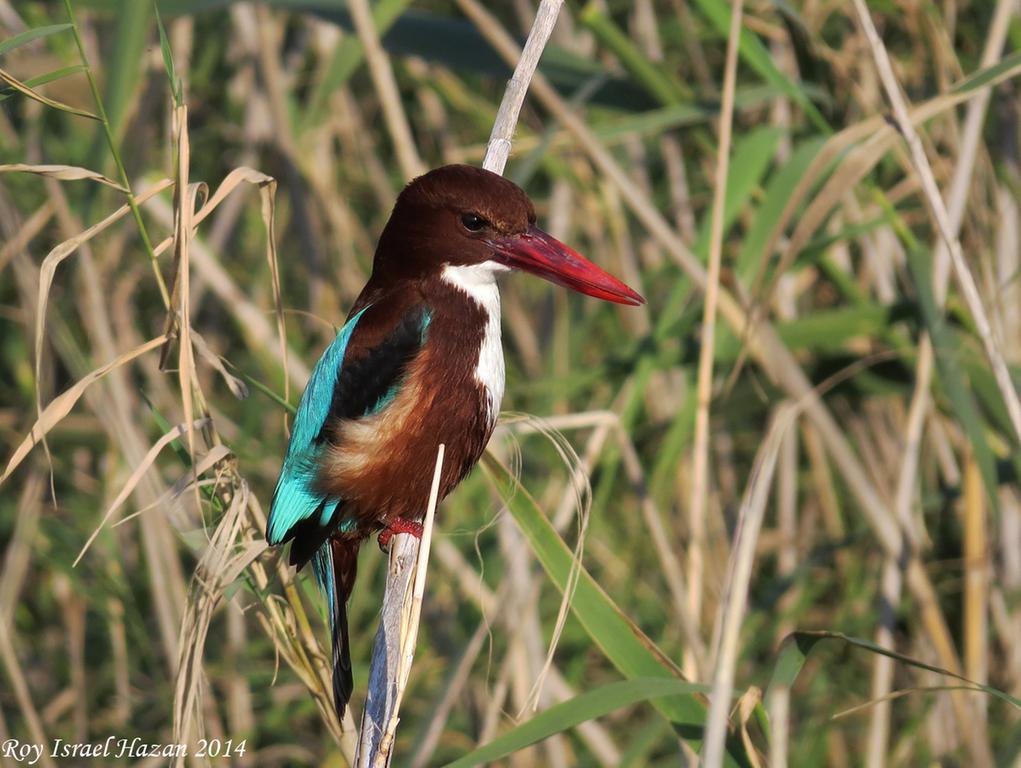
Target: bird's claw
396,526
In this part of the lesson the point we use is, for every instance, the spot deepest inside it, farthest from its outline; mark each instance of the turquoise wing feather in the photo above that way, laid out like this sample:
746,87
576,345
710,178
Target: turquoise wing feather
295,499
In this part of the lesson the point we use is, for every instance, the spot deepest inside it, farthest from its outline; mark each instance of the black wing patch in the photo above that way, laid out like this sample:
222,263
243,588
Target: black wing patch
369,382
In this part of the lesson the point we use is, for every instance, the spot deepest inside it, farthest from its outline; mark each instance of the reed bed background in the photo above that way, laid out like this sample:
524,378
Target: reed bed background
792,478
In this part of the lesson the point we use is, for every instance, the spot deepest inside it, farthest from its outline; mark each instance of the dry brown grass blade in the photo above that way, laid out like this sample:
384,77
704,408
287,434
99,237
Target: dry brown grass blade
214,456
32,227
237,386
62,173
249,316
900,693
221,564
61,405
746,706
267,195
186,198
234,179
33,94
133,480
61,252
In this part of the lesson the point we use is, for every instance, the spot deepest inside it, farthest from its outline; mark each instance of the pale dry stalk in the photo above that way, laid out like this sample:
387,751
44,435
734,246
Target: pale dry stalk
735,598
779,703
394,649
386,89
947,223
965,281
976,585
879,725
498,149
698,508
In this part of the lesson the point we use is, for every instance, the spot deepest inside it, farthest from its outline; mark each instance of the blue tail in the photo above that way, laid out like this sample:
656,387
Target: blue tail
335,564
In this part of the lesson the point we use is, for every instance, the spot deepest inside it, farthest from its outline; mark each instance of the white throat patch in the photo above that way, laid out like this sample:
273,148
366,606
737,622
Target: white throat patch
479,282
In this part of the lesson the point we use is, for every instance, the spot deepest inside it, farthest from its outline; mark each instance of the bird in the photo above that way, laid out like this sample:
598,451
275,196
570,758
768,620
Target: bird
418,362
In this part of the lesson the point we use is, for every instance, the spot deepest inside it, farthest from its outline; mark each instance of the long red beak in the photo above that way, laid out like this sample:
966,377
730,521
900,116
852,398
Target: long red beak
543,255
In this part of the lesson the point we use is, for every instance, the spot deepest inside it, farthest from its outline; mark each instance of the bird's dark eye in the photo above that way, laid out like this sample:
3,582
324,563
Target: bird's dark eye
472,222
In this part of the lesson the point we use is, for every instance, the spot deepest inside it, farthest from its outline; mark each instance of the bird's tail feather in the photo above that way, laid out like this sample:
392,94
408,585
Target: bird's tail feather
336,565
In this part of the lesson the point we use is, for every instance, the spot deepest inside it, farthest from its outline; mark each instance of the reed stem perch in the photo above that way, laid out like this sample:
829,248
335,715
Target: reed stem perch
498,149
394,646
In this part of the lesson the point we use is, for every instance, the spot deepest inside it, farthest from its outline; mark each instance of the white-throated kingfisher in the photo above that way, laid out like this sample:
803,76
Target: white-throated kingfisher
418,363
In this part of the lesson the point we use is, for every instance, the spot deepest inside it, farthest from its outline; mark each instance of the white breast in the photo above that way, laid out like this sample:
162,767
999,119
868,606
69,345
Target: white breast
479,282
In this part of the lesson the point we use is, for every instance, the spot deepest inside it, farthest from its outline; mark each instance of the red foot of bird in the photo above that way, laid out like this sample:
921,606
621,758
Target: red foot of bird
399,525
